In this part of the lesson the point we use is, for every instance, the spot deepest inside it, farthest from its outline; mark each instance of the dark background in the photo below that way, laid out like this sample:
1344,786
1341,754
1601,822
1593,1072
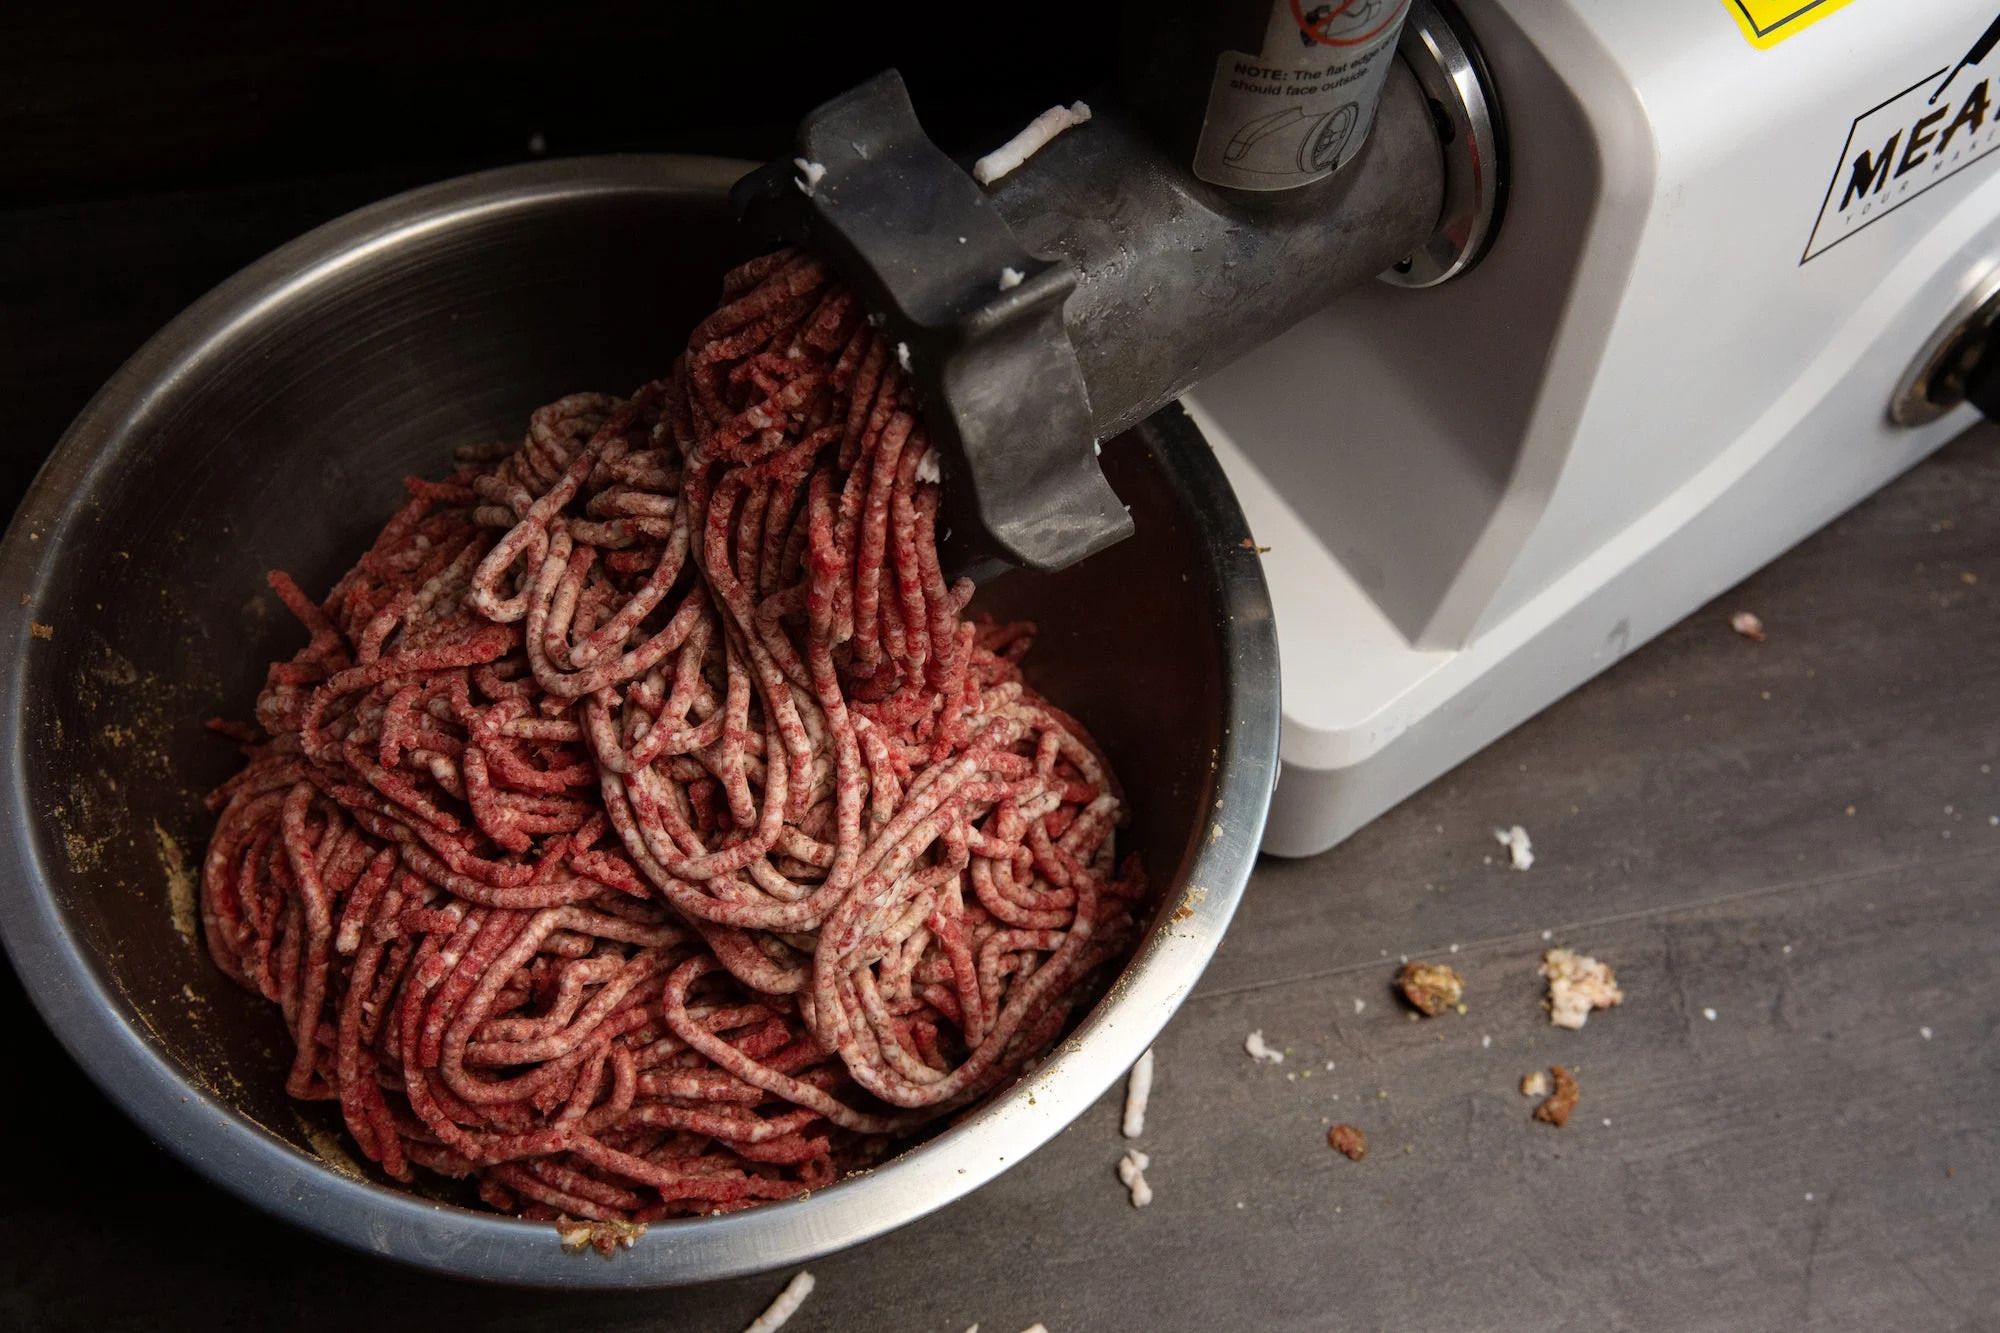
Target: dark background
103,103
147,152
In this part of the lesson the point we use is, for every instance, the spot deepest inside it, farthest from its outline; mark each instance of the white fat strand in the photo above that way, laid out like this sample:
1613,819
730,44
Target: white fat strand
788,1302
1028,142
1138,1089
1132,1170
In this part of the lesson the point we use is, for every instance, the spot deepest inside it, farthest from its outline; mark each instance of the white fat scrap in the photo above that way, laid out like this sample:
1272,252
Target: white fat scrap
1028,142
1535,1085
809,177
788,1302
903,356
927,467
1138,1089
1519,850
1254,1043
1010,278
1748,625
1132,1170
1577,984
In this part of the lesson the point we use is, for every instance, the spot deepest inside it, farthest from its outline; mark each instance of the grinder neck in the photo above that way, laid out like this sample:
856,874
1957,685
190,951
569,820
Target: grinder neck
1069,299
1176,278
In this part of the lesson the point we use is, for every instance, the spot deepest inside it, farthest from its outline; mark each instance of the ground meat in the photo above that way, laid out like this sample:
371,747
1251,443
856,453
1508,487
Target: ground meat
645,830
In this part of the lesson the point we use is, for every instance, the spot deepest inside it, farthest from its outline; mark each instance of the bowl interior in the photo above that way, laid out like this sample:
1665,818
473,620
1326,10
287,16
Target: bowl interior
278,439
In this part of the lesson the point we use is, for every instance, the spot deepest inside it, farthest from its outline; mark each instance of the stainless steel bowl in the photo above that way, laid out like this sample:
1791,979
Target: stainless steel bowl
268,426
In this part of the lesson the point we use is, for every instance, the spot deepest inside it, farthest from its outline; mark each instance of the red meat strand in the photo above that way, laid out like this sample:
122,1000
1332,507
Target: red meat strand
645,830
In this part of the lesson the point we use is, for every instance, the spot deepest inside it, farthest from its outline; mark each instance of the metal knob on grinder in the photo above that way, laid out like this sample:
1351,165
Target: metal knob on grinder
1082,291
1959,364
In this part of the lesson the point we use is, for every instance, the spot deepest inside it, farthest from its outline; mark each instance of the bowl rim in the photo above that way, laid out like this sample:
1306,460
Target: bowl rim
106,1035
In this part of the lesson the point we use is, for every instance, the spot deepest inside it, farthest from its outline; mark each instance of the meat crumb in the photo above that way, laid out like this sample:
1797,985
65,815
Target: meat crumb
182,892
1535,1085
1747,624
604,1237
1138,1090
1254,1043
1520,852
1132,1170
1555,1111
1577,984
1431,987
41,631
1350,1141
788,1302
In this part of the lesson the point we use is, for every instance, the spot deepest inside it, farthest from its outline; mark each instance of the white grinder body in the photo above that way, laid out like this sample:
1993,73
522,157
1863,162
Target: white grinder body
1723,246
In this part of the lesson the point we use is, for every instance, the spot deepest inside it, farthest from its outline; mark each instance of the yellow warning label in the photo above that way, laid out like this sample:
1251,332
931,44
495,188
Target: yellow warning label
1767,22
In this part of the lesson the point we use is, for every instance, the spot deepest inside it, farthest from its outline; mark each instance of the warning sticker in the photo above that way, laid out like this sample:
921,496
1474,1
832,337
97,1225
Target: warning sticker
1920,138
1296,110
1767,22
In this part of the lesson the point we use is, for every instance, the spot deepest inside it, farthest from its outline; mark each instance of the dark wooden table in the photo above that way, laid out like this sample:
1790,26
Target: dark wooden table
1801,836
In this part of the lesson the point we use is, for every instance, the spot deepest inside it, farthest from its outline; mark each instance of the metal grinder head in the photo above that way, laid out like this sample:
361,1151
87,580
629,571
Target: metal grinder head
1064,302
